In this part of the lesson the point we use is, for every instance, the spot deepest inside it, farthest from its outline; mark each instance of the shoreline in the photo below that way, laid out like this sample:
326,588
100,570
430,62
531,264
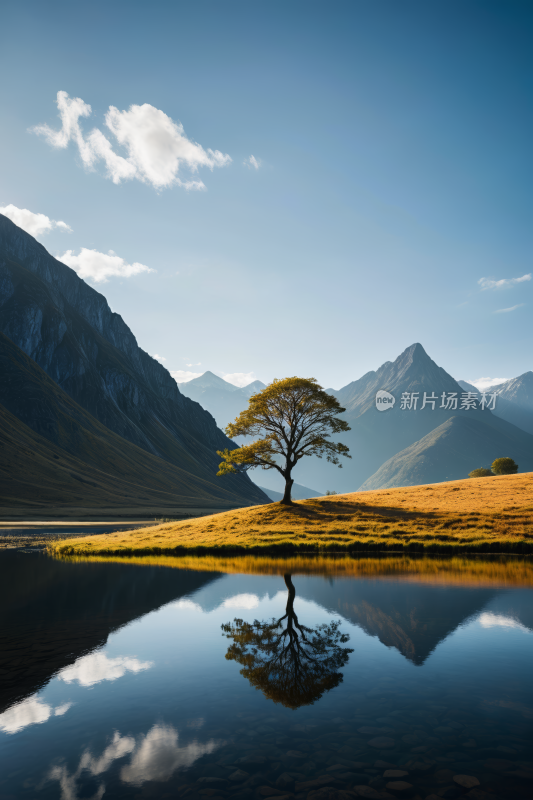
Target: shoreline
472,516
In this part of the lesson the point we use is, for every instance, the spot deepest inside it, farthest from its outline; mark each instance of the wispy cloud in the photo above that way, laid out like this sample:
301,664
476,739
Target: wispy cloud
488,283
154,756
155,146
32,223
99,267
239,379
159,358
506,310
252,162
184,376
484,383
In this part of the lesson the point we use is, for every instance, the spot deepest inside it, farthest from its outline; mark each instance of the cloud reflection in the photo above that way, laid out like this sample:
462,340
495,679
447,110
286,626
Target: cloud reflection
247,601
154,757
489,620
32,711
97,667
159,755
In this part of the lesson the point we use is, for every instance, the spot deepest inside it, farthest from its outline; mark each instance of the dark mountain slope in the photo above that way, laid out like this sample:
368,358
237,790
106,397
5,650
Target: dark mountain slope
297,493
52,452
67,328
453,450
52,612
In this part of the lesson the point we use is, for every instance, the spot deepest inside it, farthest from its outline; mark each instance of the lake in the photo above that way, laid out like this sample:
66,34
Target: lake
206,678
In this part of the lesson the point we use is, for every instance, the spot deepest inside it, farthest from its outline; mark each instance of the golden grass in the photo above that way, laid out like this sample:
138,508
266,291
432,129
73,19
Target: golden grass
474,515
493,572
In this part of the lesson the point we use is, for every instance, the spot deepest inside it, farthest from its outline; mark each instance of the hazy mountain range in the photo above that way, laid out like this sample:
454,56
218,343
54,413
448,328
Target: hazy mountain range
89,417
402,447
515,400
222,399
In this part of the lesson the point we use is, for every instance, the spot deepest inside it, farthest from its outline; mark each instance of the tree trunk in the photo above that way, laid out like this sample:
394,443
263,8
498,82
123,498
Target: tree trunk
287,496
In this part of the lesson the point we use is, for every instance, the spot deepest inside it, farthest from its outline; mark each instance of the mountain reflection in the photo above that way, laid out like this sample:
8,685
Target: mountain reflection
155,756
54,613
413,618
290,663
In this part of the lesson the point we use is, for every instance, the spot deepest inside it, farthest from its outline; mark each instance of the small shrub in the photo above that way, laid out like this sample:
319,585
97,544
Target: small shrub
330,492
480,472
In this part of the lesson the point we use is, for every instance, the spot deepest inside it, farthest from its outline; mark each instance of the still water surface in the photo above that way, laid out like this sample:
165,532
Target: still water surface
325,680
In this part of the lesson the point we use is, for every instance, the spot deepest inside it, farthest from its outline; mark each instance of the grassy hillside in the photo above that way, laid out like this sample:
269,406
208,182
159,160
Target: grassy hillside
479,515
55,455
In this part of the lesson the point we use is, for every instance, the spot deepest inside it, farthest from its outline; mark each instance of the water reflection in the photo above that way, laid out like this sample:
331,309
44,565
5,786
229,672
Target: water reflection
290,663
96,667
439,683
53,612
155,756
31,711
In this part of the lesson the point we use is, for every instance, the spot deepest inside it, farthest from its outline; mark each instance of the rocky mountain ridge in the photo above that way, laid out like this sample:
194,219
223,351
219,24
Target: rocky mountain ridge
68,329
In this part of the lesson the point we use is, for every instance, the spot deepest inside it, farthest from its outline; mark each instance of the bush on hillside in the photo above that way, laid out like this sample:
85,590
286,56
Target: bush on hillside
504,466
481,472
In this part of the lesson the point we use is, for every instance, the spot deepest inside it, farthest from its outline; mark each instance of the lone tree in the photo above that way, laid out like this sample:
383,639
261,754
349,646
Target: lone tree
295,418
290,663
504,466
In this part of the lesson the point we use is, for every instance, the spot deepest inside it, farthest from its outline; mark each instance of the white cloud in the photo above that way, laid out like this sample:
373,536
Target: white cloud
159,358
156,147
32,711
487,283
99,267
184,376
490,620
155,757
97,667
484,383
120,746
506,310
252,162
60,710
247,601
239,379
190,605
159,755
34,224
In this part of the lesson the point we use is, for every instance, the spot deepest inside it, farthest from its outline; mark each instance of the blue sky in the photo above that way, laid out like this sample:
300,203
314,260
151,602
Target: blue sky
393,173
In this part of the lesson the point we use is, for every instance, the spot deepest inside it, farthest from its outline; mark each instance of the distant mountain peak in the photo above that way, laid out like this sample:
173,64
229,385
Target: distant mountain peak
415,353
208,380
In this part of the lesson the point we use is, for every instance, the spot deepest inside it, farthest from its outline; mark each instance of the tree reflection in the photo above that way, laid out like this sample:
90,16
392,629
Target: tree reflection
290,663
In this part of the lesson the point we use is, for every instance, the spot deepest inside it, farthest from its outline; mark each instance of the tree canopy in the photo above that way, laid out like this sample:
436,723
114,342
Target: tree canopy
290,663
294,418
504,466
